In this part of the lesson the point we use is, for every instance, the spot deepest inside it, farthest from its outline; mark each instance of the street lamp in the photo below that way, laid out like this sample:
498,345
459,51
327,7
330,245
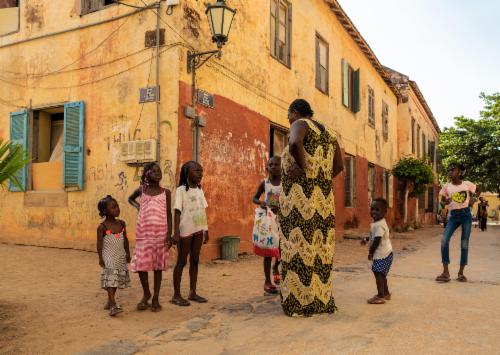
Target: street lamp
220,17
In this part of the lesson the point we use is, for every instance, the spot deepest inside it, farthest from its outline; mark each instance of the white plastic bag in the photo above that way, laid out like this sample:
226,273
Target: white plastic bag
265,229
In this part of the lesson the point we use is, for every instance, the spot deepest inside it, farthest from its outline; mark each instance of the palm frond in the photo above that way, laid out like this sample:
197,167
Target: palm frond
13,157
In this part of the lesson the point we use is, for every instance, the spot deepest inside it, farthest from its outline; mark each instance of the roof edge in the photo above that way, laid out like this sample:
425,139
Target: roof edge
351,29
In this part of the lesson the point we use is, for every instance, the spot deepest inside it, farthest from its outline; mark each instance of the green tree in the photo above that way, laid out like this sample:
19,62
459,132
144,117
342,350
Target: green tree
415,174
476,144
13,157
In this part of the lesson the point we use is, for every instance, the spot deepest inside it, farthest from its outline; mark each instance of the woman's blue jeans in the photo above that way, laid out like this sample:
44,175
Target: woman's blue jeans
462,217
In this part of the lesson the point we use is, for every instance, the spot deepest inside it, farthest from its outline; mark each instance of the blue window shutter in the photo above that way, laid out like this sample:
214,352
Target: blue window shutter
19,135
355,92
73,146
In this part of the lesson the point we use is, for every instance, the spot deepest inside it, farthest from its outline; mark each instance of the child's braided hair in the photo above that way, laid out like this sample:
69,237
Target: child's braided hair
183,179
146,172
103,204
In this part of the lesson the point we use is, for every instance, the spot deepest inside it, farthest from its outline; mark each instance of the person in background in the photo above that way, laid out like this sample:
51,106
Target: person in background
458,195
271,188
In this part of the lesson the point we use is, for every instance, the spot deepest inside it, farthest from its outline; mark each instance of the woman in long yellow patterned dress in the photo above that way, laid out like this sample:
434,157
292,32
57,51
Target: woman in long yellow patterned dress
307,214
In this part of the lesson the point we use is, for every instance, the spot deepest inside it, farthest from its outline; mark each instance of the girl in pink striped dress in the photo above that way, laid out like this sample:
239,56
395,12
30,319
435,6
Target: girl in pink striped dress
153,233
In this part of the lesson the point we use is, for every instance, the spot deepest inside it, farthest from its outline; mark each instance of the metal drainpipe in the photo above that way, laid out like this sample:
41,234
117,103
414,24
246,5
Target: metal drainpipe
158,81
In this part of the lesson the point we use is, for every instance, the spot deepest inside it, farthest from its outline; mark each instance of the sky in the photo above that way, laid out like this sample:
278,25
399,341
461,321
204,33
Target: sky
451,48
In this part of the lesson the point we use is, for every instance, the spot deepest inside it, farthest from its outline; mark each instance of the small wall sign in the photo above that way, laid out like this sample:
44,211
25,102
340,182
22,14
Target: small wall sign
206,99
149,94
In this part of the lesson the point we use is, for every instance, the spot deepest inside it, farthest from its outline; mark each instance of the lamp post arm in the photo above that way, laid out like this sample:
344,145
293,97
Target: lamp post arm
200,58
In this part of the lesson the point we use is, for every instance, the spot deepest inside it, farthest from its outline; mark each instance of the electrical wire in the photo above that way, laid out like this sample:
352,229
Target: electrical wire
147,84
84,55
25,75
95,81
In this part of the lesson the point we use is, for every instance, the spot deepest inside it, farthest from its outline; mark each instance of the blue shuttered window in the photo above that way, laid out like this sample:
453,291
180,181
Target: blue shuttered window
19,135
73,146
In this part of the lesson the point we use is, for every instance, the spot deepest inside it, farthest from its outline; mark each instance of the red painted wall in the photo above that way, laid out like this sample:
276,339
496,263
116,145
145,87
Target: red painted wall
234,153
358,218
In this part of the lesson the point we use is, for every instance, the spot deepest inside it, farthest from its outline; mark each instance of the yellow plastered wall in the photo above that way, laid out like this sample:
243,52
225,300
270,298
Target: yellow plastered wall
414,109
249,75
116,65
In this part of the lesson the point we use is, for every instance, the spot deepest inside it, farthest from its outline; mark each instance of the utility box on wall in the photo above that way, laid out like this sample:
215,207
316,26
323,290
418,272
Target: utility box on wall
143,151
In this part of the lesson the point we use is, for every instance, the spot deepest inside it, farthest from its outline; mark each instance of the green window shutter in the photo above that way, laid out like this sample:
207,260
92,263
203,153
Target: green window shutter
355,92
73,145
345,83
318,76
19,135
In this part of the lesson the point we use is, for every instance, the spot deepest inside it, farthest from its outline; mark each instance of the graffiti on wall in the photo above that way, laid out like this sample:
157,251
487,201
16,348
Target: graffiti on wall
122,181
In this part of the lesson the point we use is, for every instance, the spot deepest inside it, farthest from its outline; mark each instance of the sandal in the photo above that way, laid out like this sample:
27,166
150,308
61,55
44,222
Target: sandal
197,298
443,278
143,305
114,311
376,300
271,289
277,279
180,302
461,278
156,307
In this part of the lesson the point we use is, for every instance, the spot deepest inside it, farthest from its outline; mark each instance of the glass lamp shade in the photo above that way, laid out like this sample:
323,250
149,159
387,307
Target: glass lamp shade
220,18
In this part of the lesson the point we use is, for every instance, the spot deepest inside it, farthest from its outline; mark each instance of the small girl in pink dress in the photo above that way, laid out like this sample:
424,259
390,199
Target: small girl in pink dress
153,233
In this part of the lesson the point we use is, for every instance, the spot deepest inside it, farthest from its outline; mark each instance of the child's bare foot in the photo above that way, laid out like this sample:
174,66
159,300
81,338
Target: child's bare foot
179,301
376,300
144,304
196,298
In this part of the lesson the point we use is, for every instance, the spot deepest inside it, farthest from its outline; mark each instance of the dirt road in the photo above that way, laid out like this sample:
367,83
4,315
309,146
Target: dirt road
50,303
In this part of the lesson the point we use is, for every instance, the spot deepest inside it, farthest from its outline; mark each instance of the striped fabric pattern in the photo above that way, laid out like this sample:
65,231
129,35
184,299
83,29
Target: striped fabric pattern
114,273
150,251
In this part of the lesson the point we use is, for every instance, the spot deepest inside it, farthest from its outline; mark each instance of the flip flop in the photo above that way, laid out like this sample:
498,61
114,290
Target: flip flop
443,278
180,302
197,298
461,278
272,290
142,306
376,300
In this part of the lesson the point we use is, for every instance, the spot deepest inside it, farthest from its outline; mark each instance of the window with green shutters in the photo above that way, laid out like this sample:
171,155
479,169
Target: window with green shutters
19,135
73,146
350,183
49,135
350,87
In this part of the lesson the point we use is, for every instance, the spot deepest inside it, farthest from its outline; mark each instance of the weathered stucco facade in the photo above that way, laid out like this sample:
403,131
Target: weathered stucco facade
418,136
100,59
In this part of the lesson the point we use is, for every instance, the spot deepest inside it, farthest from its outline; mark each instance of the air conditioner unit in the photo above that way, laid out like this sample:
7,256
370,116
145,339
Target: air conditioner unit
143,151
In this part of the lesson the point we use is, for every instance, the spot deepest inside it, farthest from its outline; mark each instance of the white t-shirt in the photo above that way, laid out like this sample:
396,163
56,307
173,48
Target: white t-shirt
192,205
380,229
459,194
